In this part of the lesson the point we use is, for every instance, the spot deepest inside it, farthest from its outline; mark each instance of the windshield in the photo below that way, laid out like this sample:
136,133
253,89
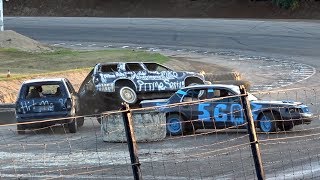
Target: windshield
251,97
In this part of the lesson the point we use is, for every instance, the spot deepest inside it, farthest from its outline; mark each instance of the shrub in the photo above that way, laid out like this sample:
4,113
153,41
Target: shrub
292,4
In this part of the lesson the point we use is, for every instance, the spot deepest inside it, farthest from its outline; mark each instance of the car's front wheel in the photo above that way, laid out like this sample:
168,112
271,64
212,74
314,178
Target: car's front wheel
128,95
267,122
175,125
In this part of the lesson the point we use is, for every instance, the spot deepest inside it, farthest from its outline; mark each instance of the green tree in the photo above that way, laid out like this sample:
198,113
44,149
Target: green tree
287,4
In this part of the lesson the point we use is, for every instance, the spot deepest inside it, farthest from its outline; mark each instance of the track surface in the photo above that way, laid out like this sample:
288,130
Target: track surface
225,155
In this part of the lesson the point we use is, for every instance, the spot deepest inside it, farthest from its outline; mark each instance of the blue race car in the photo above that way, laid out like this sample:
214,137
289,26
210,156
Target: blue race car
219,106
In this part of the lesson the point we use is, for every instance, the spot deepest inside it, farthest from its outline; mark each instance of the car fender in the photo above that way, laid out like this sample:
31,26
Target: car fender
126,79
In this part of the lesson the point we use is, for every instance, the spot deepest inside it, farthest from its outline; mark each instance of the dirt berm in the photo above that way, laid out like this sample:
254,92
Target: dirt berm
305,9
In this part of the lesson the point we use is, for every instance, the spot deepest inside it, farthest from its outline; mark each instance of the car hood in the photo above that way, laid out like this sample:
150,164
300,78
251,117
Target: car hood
280,103
155,102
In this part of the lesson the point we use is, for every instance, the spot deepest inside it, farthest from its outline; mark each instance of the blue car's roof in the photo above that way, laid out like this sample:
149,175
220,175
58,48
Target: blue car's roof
232,87
43,80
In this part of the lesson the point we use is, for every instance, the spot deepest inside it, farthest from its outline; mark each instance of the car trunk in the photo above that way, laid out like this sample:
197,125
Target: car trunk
38,108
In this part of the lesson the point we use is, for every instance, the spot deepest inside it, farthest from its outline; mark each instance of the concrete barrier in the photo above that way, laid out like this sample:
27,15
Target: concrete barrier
148,126
7,105
7,116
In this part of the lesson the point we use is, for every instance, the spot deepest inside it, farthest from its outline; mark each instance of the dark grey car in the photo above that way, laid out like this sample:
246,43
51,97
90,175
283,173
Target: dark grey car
134,81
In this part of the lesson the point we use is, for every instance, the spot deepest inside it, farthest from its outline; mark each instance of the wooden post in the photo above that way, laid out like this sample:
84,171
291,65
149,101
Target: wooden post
252,134
131,141
1,16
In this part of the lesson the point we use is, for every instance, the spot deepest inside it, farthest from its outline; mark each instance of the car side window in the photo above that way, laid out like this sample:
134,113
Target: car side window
134,67
193,95
156,67
109,68
222,93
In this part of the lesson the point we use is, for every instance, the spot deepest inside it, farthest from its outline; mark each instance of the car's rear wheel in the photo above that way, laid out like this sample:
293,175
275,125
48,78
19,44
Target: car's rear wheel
267,122
72,126
20,129
193,81
175,125
128,94
193,84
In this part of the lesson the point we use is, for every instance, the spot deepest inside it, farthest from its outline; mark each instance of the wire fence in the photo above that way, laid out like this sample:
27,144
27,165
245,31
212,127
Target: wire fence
202,151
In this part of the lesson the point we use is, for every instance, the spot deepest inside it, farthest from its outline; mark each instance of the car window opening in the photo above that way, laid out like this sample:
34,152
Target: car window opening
109,68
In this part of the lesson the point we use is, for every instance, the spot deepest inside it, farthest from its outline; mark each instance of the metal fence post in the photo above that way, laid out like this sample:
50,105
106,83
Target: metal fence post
1,15
131,141
252,134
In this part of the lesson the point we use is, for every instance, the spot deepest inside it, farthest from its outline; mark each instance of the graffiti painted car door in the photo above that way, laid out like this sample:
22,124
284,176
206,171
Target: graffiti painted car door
228,108
164,78
217,109
190,104
236,111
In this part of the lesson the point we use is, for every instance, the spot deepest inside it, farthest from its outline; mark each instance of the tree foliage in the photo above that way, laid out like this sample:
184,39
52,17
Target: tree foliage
287,4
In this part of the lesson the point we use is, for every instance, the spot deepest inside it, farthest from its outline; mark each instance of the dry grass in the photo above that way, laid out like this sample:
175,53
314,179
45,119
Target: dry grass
21,63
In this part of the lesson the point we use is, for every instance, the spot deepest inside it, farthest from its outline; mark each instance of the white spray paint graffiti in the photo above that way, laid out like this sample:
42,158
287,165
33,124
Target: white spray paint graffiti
159,86
27,106
150,86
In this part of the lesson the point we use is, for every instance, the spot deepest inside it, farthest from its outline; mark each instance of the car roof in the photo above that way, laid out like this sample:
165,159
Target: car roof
107,63
228,86
43,80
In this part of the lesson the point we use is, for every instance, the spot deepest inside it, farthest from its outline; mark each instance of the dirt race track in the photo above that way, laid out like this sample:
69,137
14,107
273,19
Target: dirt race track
52,153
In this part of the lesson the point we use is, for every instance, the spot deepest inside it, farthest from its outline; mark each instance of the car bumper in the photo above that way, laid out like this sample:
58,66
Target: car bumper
303,118
29,121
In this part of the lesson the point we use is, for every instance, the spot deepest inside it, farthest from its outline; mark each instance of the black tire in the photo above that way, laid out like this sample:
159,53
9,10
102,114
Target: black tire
193,84
175,125
72,126
20,129
99,118
193,81
285,126
267,122
127,94
80,121
190,128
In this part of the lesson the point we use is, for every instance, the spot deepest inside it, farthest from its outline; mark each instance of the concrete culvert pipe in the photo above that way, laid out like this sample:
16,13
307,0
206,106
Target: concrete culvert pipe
148,126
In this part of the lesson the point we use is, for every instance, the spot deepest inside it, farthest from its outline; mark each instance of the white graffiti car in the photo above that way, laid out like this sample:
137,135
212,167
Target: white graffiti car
134,81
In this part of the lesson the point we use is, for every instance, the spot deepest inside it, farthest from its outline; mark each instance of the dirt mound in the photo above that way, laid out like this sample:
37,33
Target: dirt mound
10,87
11,39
